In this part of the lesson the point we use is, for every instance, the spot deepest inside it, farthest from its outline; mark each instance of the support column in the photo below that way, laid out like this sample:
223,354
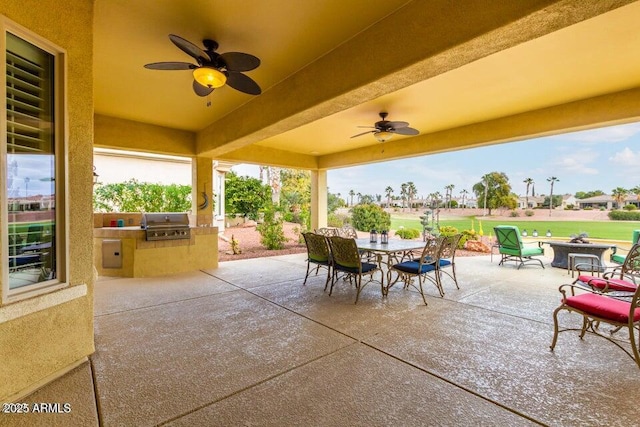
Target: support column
220,170
202,191
318,199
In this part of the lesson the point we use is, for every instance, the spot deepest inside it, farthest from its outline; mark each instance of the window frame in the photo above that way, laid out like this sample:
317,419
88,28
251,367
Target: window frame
61,166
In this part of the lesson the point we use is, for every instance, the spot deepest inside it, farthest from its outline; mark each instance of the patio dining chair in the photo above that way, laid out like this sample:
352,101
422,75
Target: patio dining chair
419,268
511,247
447,258
318,254
327,231
346,260
348,231
597,308
621,278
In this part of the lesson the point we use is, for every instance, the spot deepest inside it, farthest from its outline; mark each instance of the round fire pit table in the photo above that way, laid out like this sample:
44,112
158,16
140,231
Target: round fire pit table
561,251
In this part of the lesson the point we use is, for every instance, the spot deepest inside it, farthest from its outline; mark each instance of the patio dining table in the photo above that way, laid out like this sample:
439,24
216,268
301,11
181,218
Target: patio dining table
388,254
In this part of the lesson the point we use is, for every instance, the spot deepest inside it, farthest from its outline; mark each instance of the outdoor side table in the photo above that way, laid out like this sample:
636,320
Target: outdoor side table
591,260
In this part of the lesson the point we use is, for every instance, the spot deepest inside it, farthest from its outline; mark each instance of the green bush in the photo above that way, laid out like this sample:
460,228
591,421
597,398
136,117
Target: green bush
624,215
135,196
630,207
466,236
448,230
408,233
370,217
514,214
337,220
588,208
528,212
271,231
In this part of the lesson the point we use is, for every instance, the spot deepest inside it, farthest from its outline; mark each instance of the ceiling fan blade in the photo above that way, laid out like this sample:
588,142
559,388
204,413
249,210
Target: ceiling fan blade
243,83
170,66
398,125
188,48
364,133
238,61
201,90
406,131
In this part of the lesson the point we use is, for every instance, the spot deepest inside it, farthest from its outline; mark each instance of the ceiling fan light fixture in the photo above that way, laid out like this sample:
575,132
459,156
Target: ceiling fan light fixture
383,136
209,77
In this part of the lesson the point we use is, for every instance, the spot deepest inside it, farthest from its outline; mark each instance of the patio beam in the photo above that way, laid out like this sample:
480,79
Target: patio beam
606,110
420,41
259,155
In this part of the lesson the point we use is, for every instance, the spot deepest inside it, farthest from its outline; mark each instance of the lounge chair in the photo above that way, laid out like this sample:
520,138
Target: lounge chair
512,248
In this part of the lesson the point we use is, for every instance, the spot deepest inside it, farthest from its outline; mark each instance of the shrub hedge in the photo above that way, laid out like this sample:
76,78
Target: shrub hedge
624,215
370,217
408,233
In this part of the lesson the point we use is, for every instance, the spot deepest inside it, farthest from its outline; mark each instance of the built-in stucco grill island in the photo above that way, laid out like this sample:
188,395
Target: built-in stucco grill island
153,244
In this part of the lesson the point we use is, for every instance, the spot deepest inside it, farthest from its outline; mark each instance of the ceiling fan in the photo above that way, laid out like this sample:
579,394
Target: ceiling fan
213,69
383,130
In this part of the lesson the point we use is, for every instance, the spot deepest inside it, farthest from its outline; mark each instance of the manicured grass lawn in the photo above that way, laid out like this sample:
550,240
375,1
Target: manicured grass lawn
610,230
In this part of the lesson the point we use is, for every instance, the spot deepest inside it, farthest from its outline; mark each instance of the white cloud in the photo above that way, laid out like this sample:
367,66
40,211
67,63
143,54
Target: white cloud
626,157
576,163
608,134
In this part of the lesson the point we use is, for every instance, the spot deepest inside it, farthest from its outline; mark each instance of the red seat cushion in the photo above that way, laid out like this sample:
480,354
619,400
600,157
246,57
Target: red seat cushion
614,284
603,307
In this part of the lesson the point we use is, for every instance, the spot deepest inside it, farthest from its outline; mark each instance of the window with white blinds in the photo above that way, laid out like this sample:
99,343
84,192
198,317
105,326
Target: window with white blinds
28,109
31,169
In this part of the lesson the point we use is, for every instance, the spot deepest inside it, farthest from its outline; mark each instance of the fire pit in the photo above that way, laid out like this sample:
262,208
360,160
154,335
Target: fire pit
579,238
577,245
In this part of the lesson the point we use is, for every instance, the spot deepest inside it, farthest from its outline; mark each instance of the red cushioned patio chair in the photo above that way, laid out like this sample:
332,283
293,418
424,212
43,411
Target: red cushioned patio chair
619,309
622,278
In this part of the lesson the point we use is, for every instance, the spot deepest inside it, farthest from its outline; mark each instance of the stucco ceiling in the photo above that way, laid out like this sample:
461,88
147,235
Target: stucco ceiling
306,46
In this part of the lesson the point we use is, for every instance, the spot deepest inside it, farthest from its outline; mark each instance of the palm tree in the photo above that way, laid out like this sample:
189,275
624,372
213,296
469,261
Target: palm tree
619,195
438,197
449,193
552,180
636,190
359,197
411,191
529,182
352,193
464,197
403,194
389,192
485,179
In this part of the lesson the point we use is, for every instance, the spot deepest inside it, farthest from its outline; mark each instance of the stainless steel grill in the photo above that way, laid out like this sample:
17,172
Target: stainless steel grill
166,226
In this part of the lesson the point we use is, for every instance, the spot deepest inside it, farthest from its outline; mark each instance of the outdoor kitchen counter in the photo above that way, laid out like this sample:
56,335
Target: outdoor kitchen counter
141,258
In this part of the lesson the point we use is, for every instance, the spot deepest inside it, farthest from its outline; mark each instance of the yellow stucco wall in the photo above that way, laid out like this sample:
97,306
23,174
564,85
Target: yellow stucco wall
202,255
112,132
157,258
35,346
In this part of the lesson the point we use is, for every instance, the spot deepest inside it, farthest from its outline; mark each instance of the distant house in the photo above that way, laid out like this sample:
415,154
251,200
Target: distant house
534,202
606,201
568,200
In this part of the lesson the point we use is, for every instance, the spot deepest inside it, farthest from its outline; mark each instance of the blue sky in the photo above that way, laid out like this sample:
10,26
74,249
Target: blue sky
600,159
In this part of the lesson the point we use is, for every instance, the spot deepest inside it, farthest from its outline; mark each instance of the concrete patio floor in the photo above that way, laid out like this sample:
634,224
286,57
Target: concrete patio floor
248,344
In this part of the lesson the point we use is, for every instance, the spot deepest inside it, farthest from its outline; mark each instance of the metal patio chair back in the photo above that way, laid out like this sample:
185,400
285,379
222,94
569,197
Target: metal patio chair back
346,260
318,254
